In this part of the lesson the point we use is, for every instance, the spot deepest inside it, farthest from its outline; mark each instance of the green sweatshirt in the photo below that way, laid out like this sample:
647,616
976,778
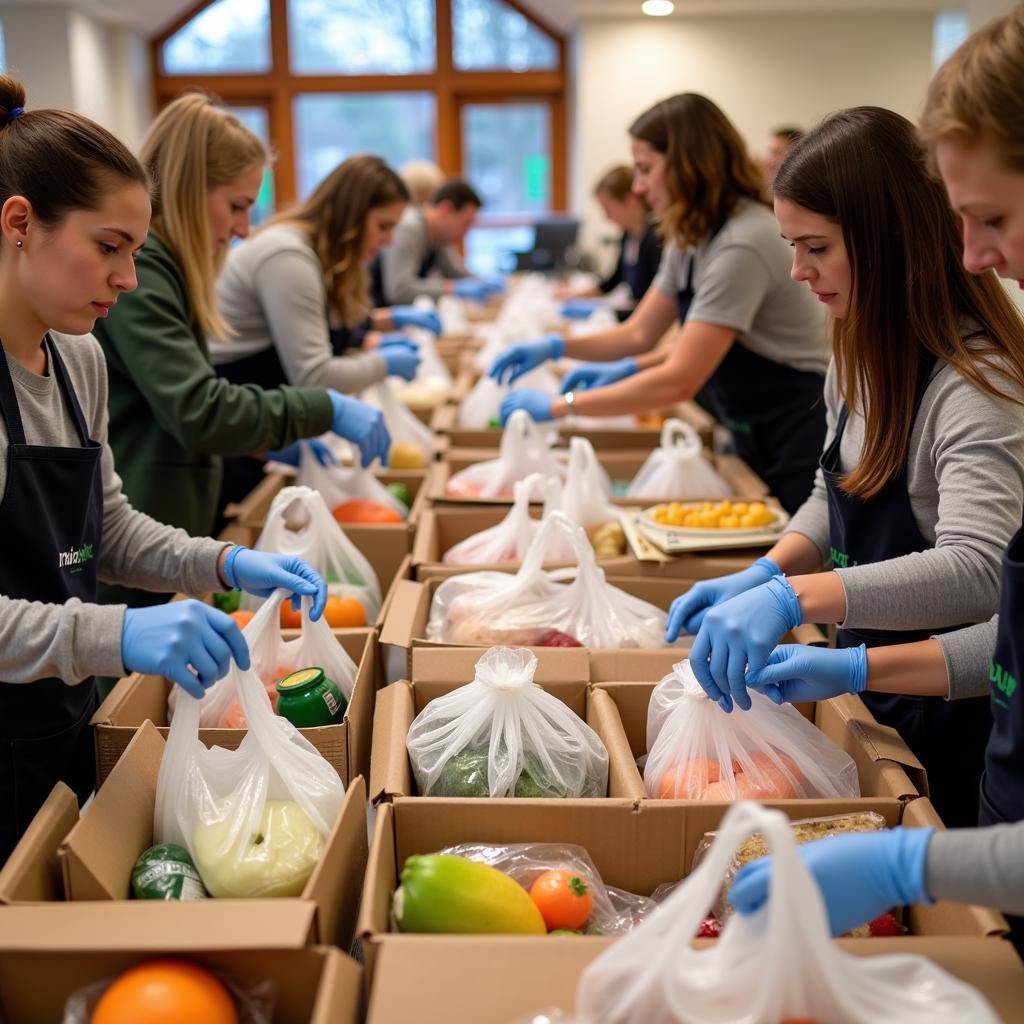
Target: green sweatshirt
171,416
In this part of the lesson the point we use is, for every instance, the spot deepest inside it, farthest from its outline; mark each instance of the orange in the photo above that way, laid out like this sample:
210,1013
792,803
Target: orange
290,619
341,612
362,510
166,992
242,619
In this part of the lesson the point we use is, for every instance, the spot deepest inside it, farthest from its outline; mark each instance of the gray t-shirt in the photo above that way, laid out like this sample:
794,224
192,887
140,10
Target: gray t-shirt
401,261
983,866
272,293
75,640
741,280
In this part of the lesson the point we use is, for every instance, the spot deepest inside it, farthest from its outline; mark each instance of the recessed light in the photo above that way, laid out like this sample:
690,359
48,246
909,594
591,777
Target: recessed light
657,8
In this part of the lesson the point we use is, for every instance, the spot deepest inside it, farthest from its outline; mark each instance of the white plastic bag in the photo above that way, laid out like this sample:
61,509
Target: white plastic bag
587,488
254,820
502,735
779,963
771,752
299,523
452,312
483,403
338,484
433,382
678,468
405,428
523,450
531,608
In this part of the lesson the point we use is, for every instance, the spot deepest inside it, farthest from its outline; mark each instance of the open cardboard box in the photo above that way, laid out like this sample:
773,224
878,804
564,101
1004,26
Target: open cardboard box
64,857
139,698
438,671
505,980
45,958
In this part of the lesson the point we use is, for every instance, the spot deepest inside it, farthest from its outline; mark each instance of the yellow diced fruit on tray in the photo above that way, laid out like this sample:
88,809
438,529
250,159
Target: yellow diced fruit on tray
730,522
707,515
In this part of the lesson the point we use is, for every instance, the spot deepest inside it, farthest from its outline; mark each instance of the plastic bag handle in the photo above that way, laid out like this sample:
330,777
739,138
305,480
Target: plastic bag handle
531,486
552,496
520,431
555,523
680,437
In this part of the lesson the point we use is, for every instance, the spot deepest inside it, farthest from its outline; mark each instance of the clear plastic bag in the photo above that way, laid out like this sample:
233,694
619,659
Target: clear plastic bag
531,608
452,312
585,497
482,405
524,450
614,911
255,819
502,735
678,468
771,752
299,523
433,382
408,433
341,483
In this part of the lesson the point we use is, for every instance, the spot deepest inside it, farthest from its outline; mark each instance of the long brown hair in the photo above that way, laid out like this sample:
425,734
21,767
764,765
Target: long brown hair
865,169
708,170
335,217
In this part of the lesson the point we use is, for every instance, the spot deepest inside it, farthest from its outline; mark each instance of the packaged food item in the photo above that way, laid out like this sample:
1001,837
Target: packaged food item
678,468
307,698
166,872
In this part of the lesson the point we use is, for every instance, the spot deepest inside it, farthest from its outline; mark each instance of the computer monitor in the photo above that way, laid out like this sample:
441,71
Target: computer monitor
553,239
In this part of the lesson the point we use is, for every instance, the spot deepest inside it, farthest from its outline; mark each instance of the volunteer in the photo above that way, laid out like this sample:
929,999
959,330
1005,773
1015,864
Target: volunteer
972,124
74,210
422,178
779,143
924,402
639,246
295,297
422,259
171,416
749,334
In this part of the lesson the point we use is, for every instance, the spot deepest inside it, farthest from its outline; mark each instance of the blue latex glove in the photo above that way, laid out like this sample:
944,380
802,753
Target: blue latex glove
535,403
580,309
166,639
861,875
527,355
597,375
495,285
795,673
473,288
363,425
410,316
290,456
688,610
739,635
260,574
401,355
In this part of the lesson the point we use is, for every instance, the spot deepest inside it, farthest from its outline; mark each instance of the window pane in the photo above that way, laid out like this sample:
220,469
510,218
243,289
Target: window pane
230,36
489,35
507,155
950,29
399,126
257,120
361,37
491,250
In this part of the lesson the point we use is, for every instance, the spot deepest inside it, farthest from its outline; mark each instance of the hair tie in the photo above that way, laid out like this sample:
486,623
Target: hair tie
13,113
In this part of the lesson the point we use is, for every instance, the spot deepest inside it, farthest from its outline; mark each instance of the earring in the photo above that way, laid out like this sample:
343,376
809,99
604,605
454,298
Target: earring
20,244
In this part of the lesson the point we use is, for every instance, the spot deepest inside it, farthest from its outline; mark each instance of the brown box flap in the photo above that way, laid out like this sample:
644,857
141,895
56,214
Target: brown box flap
33,872
390,774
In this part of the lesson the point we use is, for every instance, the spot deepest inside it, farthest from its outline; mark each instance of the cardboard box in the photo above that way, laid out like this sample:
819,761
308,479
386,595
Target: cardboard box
45,959
438,671
139,698
93,860
493,980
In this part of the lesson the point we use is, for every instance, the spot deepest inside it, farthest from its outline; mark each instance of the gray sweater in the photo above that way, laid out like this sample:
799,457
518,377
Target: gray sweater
984,866
74,640
400,262
272,293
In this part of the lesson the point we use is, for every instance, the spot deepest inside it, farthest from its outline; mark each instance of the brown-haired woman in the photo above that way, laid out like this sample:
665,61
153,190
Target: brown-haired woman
74,211
750,336
921,485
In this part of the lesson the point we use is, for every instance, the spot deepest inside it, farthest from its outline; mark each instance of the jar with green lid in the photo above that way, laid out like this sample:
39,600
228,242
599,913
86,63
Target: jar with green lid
307,698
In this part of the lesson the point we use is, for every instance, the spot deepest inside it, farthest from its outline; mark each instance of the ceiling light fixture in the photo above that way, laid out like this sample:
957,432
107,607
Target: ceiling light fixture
657,8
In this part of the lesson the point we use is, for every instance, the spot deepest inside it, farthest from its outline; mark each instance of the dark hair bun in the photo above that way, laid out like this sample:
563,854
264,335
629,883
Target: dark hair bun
12,94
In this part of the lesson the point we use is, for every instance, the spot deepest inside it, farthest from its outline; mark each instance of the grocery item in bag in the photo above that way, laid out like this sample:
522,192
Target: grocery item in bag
678,469
339,484
412,441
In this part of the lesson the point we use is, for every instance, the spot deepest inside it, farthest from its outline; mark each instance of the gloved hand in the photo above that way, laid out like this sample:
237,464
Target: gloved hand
580,309
688,610
536,404
795,673
290,456
861,875
473,288
166,639
597,375
260,574
401,354
410,316
363,425
738,636
527,355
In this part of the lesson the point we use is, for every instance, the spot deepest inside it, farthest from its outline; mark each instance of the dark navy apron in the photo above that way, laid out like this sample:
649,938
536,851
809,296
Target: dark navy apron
51,522
776,414
631,271
948,737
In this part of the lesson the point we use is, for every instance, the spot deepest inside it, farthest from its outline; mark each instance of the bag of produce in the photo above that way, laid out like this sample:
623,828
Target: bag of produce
254,820
412,441
502,735
340,484
585,497
524,450
771,752
300,523
777,965
532,608
678,469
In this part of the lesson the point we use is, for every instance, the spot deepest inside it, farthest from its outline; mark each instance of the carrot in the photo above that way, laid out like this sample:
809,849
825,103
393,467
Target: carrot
562,898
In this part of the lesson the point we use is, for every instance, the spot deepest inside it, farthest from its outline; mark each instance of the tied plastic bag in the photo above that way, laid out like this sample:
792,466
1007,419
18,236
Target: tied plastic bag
523,450
340,483
255,819
502,735
299,523
776,965
511,538
678,468
412,441
587,488
771,752
531,608
613,911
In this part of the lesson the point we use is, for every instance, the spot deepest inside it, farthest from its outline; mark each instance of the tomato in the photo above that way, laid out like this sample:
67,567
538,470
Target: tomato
885,925
556,638
562,898
710,928
362,510
166,992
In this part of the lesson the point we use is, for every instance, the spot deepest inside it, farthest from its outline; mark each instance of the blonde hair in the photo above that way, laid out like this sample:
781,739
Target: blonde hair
192,147
422,178
977,98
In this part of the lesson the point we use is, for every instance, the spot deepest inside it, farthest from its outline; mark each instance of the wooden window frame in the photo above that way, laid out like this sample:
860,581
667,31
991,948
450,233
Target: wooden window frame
278,88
